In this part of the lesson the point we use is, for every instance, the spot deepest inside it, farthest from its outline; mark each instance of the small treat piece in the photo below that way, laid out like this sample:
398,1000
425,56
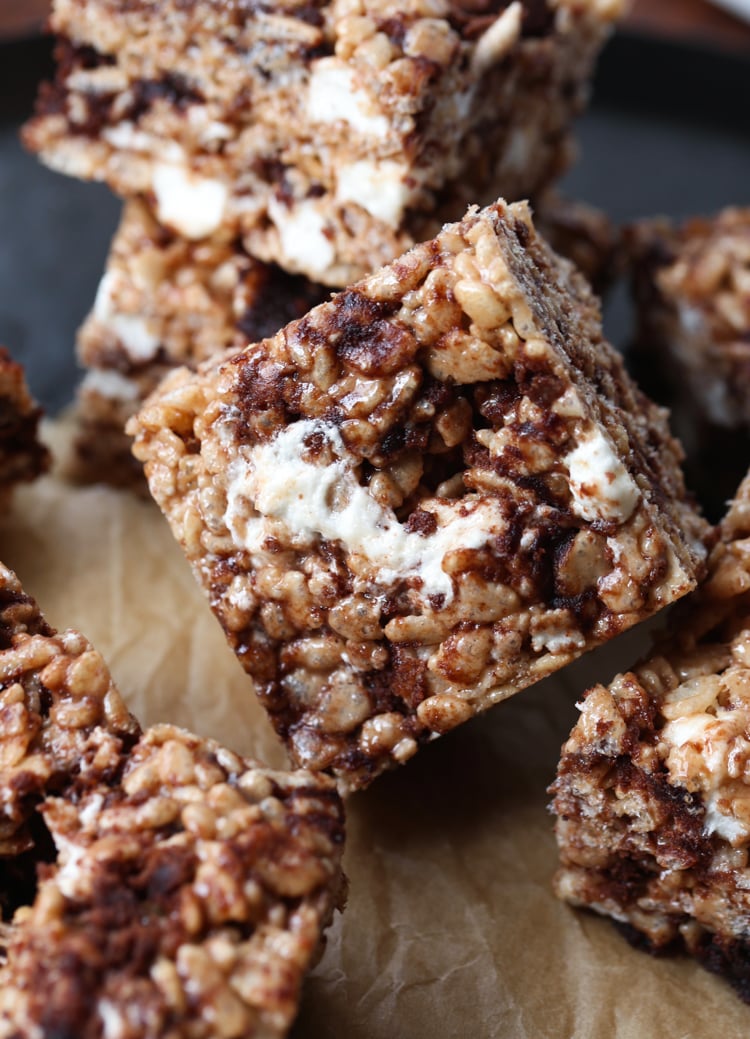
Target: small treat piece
332,135
166,301
692,289
22,456
153,884
582,234
428,493
653,789
692,349
61,716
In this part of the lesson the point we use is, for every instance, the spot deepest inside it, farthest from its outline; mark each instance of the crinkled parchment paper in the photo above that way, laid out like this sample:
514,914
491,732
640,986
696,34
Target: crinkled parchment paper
451,928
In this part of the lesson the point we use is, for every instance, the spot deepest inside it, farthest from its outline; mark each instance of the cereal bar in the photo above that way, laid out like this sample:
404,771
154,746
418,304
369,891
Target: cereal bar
154,885
22,456
166,301
331,135
692,345
428,493
692,288
653,788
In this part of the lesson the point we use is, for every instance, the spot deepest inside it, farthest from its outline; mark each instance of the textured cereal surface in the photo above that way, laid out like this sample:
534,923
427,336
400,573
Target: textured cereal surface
22,456
422,497
332,135
153,884
165,301
653,786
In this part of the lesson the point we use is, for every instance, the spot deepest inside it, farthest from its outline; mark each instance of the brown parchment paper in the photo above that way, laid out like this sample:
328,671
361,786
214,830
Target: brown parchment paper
451,929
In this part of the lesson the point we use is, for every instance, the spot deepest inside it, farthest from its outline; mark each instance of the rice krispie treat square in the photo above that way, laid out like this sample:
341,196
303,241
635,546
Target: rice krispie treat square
692,289
692,345
166,301
428,493
331,135
653,789
22,456
153,884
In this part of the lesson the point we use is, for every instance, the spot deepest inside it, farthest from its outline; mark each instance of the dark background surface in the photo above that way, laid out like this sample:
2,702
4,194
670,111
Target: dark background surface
667,132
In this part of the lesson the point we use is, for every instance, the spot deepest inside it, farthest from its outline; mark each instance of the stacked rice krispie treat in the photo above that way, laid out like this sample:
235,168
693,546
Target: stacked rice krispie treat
653,789
152,883
331,136
166,301
22,456
691,284
322,139
425,495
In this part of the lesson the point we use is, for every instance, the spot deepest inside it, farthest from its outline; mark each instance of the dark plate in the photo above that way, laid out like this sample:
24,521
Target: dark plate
666,133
